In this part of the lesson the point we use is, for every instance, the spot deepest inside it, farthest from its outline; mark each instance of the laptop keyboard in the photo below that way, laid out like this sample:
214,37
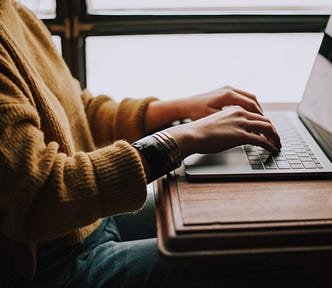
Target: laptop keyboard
294,154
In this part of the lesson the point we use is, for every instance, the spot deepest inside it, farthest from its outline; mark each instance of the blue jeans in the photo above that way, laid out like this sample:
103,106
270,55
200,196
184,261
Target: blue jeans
123,252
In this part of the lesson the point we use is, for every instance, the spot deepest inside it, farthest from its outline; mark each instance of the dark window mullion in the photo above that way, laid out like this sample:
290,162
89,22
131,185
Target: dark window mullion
60,26
115,25
77,8
63,25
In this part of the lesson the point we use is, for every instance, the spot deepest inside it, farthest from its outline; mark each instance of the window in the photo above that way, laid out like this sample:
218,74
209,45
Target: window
45,9
174,48
171,7
273,66
57,42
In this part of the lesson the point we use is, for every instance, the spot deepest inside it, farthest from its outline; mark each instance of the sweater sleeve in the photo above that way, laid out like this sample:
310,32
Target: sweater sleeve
110,120
46,193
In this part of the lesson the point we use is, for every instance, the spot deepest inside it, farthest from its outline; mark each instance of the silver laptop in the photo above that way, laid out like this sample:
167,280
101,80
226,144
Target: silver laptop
306,136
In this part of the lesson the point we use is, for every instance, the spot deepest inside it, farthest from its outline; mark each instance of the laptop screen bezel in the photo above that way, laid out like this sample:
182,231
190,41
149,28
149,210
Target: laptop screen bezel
327,54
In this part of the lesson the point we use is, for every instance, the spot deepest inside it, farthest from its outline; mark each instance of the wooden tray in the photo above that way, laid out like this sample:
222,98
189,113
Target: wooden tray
212,219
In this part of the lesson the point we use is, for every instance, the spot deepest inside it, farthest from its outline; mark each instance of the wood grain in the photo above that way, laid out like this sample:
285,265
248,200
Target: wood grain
254,201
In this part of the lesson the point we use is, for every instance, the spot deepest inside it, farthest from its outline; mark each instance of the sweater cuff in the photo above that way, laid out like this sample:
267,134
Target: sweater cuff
130,125
120,178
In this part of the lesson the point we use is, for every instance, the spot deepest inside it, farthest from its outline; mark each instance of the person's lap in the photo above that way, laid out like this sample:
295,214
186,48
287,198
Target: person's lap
120,254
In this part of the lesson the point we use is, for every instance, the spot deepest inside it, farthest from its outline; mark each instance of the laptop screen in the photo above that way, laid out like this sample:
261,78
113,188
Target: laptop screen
315,108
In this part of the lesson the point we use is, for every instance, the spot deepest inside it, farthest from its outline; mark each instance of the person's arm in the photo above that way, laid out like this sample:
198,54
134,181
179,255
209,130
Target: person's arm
214,133
110,120
49,190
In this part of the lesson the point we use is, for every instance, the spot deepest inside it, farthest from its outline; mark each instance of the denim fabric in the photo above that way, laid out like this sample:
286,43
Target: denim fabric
121,254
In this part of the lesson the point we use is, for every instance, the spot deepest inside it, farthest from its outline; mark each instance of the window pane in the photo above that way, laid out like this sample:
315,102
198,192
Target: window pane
208,6
273,66
45,9
57,42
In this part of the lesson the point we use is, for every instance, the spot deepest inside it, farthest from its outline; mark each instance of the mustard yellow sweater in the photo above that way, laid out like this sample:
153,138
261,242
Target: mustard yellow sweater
54,182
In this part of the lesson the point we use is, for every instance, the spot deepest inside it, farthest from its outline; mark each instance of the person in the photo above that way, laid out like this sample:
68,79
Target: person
70,163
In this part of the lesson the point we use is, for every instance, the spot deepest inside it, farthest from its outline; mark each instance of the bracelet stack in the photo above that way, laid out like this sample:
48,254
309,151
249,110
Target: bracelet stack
170,146
161,152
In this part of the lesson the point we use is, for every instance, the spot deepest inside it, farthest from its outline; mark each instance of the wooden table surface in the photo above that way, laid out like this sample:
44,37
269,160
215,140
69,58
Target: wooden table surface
251,203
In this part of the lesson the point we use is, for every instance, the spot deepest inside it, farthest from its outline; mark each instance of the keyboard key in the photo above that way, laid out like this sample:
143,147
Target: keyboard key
283,165
257,167
292,157
309,165
302,154
270,165
286,147
265,157
252,153
255,162
279,157
290,152
296,166
294,142
297,146
294,162
249,148
255,157
306,159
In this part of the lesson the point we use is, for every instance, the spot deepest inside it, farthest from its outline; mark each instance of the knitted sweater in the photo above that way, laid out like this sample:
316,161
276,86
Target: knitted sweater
54,181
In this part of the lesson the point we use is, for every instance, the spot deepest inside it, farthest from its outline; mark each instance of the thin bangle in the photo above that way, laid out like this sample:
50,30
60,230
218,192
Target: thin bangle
171,146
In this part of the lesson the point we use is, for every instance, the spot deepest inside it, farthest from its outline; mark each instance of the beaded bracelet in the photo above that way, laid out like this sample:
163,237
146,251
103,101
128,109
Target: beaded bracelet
161,153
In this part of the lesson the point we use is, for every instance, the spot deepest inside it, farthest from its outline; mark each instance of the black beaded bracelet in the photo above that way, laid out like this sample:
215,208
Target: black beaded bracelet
159,154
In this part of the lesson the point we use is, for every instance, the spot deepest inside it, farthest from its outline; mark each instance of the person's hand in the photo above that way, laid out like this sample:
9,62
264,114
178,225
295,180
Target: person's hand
160,114
226,129
196,107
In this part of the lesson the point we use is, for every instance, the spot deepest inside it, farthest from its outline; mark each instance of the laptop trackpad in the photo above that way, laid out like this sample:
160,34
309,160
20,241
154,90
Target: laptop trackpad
229,161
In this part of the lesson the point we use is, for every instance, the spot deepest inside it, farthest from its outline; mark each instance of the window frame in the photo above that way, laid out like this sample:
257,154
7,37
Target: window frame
73,24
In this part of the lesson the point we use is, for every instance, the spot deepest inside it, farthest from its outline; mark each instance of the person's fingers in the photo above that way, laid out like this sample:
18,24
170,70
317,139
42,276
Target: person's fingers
254,116
260,140
265,128
249,104
247,94
256,123
263,125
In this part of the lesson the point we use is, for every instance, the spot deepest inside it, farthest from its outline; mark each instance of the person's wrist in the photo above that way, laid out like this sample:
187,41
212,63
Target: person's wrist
184,137
160,153
183,108
161,114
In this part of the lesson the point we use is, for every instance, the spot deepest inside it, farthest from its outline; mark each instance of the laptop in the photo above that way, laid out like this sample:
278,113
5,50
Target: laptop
306,136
